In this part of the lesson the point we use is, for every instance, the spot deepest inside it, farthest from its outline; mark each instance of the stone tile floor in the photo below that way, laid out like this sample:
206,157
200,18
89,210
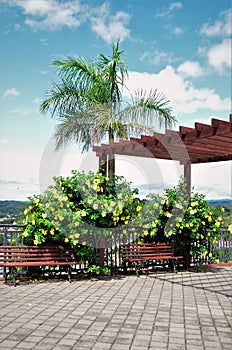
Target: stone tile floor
187,310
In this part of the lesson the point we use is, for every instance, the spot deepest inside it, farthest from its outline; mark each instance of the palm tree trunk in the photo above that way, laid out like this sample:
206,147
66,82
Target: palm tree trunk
111,159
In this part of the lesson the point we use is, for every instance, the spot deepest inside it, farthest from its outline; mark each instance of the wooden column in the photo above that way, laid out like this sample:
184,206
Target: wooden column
103,163
103,169
187,175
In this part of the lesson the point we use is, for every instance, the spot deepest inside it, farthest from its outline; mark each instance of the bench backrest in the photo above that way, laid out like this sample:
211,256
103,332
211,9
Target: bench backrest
30,254
146,250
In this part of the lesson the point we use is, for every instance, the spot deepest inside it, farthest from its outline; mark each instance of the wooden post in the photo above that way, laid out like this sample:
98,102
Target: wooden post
103,163
187,175
103,169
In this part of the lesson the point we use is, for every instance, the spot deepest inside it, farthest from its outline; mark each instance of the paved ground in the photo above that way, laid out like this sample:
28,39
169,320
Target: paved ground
161,311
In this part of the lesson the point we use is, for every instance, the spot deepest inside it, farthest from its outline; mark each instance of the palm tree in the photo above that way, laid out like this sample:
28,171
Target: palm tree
87,102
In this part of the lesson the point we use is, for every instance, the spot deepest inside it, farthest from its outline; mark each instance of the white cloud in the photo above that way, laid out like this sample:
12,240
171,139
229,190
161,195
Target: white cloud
44,41
4,141
190,69
170,8
221,27
184,96
37,100
52,14
11,92
219,55
213,179
110,27
157,57
177,31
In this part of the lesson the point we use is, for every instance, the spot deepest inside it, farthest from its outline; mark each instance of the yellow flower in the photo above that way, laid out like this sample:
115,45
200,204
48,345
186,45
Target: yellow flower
26,211
66,240
223,209
124,231
52,231
138,208
60,217
210,255
95,206
44,232
44,215
83,243
77,223
230,228
208,234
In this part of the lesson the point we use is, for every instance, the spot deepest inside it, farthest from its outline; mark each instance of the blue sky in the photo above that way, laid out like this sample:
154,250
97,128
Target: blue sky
182,48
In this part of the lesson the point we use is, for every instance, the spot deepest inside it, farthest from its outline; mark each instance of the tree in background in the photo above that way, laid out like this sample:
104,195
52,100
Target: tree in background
87,102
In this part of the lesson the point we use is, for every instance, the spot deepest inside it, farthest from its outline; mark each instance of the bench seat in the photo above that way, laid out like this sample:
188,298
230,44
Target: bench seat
140,252
14,257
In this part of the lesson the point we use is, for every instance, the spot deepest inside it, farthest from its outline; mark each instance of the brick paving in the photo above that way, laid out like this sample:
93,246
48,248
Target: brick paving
187,310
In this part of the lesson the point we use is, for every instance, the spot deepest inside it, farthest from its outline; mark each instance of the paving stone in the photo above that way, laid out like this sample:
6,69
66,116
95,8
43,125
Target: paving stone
186,311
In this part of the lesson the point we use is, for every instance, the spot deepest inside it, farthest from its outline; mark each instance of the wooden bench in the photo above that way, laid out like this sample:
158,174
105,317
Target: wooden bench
13,258
135,254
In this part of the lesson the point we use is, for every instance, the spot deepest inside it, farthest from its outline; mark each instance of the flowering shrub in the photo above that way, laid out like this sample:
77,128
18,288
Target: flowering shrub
184,220
80,209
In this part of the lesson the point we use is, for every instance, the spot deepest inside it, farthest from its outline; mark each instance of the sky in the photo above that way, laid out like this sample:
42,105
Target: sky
182,48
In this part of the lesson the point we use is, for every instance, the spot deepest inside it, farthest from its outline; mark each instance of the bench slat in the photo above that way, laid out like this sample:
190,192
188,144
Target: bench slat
134,252
27,256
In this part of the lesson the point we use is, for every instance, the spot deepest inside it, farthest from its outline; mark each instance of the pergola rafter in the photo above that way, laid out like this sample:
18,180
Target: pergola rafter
202,144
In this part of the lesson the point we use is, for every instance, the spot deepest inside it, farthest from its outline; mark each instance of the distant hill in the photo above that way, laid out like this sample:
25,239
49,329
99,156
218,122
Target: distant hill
10,208
220,202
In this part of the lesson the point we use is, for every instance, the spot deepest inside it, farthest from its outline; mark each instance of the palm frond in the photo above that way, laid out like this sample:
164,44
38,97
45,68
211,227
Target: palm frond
74,127
149,109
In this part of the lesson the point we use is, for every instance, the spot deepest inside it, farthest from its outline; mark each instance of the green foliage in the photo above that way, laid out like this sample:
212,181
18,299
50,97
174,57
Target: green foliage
80,210
183,220
97,270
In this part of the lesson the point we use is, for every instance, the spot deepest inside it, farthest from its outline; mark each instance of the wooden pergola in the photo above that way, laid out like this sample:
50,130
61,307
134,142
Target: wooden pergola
202,144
